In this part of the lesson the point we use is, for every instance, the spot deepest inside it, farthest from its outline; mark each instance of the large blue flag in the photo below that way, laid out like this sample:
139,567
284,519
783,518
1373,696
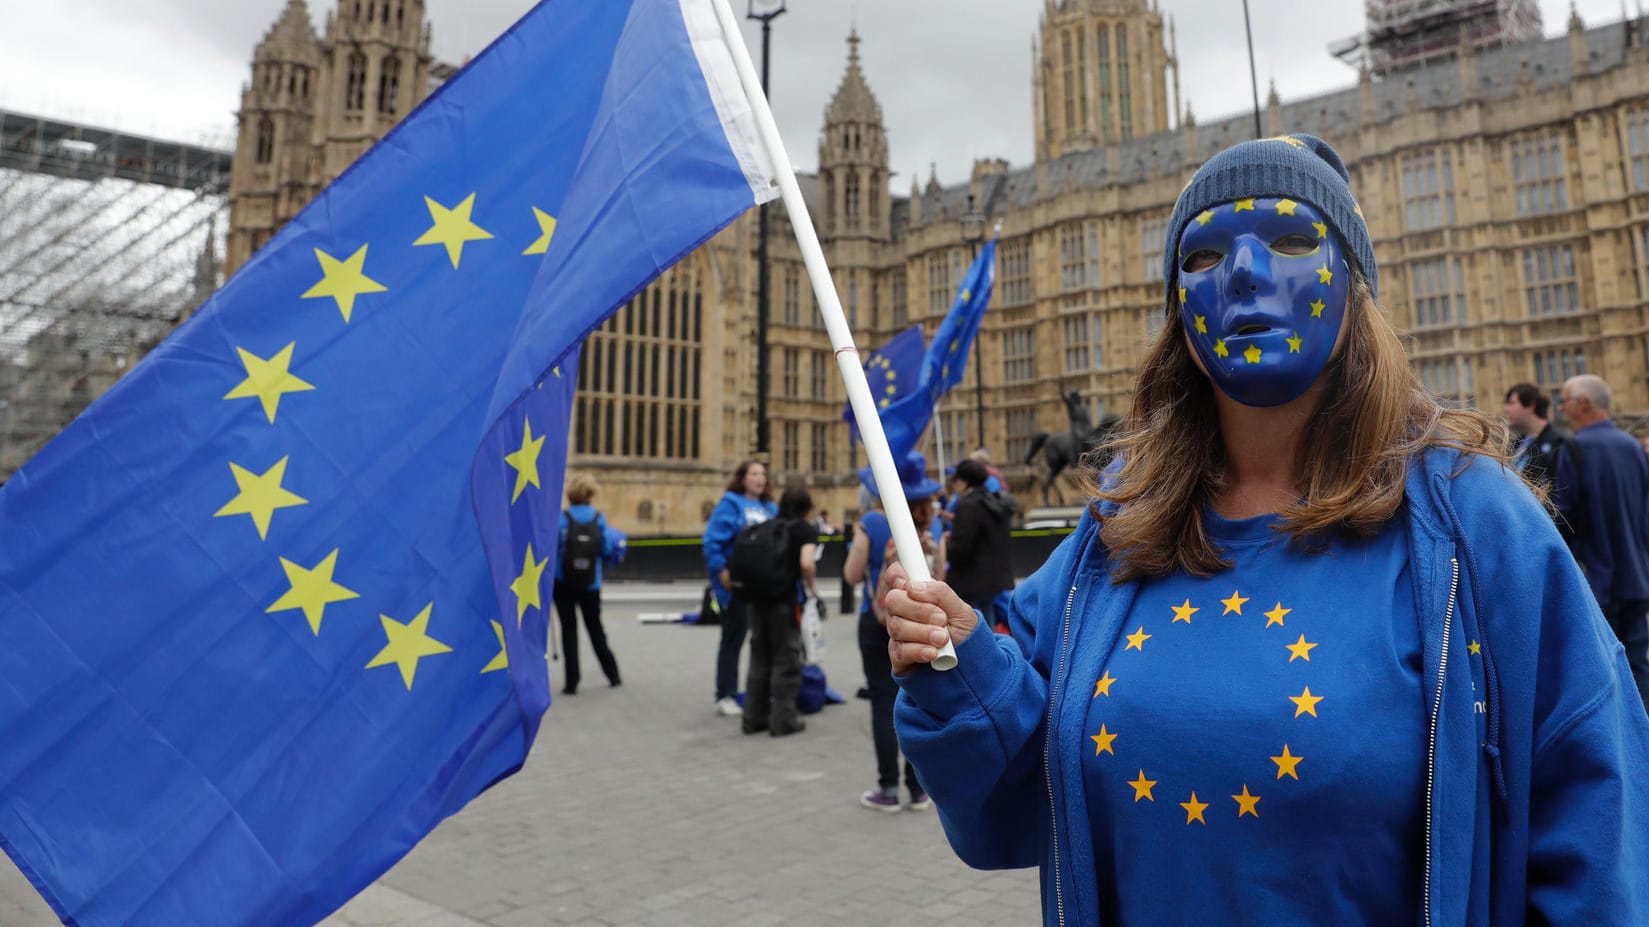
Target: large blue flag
892,371
946,358
276,604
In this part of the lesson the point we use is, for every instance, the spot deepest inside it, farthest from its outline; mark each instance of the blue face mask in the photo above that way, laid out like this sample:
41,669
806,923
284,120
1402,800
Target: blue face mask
1263,287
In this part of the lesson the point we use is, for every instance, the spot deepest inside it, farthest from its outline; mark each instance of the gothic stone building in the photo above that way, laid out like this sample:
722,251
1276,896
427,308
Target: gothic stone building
1507,191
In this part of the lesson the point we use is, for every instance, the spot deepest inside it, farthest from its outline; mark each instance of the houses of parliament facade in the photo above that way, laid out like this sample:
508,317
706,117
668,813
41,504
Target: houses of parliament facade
1506,190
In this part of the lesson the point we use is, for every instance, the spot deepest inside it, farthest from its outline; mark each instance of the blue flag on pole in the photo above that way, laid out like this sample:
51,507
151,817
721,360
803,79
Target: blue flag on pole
276,604
892,371
946,358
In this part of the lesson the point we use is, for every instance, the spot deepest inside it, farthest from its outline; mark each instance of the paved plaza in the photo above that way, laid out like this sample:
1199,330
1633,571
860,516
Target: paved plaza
640,806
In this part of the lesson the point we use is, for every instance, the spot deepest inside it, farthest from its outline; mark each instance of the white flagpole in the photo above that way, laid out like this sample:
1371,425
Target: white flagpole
939,440
882,466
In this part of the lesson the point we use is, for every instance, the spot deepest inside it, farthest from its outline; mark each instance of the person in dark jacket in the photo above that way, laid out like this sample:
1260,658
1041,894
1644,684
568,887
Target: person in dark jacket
981,566
1536,456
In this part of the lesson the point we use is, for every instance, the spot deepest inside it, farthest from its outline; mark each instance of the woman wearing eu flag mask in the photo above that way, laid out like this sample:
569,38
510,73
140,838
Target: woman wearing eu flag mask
1314,655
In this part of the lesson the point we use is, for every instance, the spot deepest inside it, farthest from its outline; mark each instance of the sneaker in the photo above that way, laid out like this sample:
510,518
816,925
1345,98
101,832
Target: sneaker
919,801
729,708
878,800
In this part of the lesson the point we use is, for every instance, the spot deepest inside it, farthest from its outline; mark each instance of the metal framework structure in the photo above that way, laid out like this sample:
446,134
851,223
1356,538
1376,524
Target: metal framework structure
1406,33
107,242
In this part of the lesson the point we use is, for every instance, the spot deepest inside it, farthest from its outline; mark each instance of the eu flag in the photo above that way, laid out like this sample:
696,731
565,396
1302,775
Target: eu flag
276,604
946,358
891,371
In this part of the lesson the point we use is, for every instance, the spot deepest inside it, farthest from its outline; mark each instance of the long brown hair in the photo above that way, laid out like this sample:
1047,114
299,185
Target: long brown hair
736,484
1372,419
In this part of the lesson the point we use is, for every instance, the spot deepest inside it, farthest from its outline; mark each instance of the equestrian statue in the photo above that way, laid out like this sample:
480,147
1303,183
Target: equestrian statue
1067,448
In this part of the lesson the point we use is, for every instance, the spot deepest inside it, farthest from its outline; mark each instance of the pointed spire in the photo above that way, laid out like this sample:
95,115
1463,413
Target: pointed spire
294,31
854,101
1575,25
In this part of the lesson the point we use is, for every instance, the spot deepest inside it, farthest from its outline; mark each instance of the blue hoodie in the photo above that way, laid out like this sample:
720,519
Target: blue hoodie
732,514
1537,797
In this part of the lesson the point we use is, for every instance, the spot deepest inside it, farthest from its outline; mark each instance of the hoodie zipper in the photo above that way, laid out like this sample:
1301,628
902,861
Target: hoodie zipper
1047,755
1436,709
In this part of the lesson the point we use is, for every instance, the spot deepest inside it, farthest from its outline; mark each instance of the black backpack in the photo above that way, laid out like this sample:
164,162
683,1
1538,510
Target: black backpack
761,565
582,552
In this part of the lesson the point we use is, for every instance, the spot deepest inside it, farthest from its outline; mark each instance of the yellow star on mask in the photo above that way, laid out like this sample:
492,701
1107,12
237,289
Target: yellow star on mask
546,231
1317,307
1206,217
502,661
1246,803
1285,207
343,280
1136,640
1184,612
1202,326
526,586
1253,354
1244,206
1287,764
1194,810
1305,703
1275,616
408,643
1103,686
1182,296
1220,349
1325,276
452,228
525,462
1322,229
268,379
1143,786
1294,344
1300,650
1233,604
260,495
1102,741
311,590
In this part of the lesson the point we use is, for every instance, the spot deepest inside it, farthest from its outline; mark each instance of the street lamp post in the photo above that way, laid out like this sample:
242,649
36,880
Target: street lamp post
764,13
973,232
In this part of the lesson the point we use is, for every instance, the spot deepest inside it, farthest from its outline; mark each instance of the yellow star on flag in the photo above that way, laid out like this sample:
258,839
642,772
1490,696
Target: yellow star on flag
1300,650
1317,307
344,280
1194,810
1206,217
1294,343
1275,616
527,586
1244,206
1287,764
1220,349
1246,803
1143,786
312,590
1103,686
502,661
268,379
1325,276
1285,207
885,403
1475,648
1305,703
1136,640
525,462
1184,612
408,643
1202,325
1233,604
452,228
1322,229
260,495
1253,354
1102,741
546,231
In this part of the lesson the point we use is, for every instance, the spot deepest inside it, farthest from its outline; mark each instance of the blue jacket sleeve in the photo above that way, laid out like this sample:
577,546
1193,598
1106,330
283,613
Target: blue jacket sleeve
718,535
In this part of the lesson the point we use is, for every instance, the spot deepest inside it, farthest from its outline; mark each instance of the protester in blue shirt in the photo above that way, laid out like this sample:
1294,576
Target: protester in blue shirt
746,502
1314,655
1603,494
578,581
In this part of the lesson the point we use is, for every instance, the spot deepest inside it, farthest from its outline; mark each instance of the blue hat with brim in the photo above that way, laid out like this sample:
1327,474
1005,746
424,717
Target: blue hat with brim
913,478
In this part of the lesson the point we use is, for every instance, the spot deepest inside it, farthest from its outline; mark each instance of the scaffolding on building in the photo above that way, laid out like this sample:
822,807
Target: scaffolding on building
107,242
1402,34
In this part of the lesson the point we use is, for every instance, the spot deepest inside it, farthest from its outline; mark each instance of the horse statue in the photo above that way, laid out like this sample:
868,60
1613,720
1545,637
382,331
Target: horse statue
1067,448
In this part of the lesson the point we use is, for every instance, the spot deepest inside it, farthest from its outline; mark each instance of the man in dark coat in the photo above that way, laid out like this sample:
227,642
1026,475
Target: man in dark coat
981,565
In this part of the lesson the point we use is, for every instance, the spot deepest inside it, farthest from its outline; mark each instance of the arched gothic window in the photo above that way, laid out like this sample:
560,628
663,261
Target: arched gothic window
266,140
389,85
355,87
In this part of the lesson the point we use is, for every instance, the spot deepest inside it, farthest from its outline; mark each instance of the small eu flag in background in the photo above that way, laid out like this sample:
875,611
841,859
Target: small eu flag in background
277,603
892,371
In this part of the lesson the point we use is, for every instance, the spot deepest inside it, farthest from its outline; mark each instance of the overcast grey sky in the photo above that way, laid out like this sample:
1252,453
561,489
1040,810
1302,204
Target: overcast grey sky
953,76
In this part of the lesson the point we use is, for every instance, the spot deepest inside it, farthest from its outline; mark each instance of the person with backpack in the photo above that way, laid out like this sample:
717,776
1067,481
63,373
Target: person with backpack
978,546
585,540
768,564
746,502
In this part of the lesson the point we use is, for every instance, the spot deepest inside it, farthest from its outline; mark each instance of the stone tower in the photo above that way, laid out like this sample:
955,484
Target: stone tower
853,159
1101,72
376,61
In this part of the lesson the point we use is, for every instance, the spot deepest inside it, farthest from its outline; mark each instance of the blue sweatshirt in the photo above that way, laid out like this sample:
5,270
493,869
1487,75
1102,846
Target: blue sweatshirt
583,513
1536,802
732,514
1603,493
